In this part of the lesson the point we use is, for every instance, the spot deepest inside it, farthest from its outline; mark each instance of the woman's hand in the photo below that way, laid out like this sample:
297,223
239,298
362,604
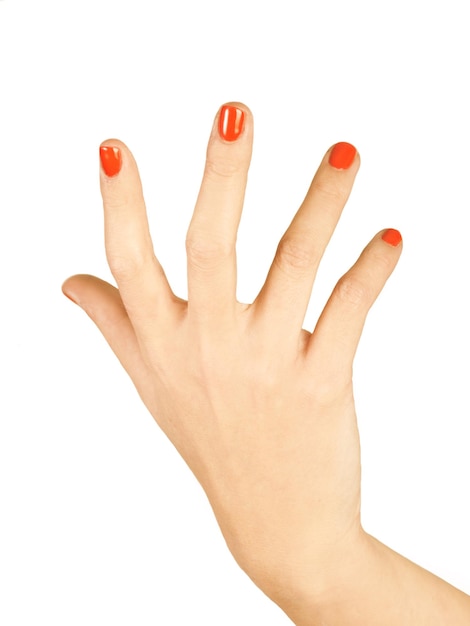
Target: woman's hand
261,410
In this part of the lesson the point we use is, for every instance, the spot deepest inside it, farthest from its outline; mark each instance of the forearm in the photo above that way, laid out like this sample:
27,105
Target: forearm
374,586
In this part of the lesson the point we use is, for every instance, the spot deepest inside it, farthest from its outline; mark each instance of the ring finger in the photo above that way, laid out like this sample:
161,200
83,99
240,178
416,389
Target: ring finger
286,293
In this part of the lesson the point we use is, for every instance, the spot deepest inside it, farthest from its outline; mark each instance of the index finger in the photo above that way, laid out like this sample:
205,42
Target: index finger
142,283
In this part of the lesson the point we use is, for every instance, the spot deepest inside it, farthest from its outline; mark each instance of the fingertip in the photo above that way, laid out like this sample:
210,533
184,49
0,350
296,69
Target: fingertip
69,291
114,155
392,237
238,105
119,174
116,143
233,121
110,159
342,155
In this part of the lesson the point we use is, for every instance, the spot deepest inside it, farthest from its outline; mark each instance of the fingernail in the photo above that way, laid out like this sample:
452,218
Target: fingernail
392,236
230,122
111,160
342,155
70,297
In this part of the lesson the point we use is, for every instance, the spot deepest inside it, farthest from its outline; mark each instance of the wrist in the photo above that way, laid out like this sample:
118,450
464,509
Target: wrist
306,584
365,583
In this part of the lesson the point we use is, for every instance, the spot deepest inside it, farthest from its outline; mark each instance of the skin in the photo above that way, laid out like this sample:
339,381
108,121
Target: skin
262,410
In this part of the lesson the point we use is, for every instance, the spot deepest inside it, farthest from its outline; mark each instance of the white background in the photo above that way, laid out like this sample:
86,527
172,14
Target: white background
101,522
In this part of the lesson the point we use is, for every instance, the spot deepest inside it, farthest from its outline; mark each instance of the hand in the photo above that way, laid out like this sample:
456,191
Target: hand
260,409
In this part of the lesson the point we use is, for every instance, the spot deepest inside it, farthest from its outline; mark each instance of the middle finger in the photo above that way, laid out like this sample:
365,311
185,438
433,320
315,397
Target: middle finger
212,233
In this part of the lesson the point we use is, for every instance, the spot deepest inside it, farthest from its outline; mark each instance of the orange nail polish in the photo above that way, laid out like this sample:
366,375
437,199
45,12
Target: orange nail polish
392,236
230,122
342,155
111,160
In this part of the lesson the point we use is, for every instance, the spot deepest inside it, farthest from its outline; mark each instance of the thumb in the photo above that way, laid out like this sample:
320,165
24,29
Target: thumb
102,303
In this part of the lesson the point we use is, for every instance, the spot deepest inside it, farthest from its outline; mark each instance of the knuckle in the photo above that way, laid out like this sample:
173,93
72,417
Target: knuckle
382,263
126,268
294,253
221,168
206,253
352,291
330,191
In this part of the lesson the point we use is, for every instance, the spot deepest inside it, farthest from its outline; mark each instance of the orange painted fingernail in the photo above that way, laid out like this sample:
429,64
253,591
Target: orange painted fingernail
231,122
392,236
111,160
342,155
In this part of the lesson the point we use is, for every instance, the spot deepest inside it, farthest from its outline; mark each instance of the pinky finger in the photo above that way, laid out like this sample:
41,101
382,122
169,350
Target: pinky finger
340,325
